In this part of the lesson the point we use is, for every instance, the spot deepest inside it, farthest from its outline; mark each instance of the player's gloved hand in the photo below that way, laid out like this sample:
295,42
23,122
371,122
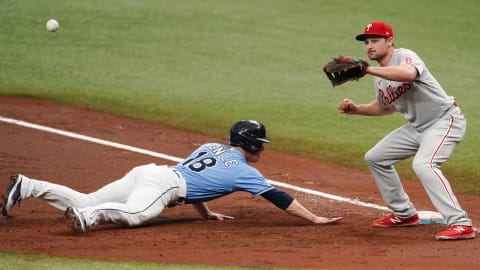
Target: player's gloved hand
343,69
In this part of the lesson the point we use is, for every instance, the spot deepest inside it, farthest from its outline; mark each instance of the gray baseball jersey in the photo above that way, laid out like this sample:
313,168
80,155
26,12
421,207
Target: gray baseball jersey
421,101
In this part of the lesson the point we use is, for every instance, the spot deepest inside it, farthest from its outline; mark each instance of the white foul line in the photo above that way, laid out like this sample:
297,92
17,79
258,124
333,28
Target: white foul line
176,159
328,196
88,138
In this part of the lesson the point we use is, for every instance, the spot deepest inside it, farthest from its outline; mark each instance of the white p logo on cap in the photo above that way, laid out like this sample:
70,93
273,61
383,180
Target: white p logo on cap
368,27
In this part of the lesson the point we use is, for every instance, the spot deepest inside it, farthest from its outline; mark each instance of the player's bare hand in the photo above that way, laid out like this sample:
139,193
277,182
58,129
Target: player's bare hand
325,220
218,216
347,106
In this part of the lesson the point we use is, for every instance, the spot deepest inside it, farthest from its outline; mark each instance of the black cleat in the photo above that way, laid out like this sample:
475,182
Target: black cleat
12,195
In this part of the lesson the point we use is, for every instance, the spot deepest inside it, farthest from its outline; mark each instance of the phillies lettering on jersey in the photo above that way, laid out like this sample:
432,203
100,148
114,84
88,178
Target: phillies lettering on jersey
392,93
404,97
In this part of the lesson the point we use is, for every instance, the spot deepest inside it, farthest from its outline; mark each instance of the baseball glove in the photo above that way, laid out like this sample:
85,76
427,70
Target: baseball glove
345,68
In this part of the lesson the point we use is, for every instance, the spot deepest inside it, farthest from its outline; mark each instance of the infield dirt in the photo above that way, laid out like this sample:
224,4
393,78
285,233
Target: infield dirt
260,235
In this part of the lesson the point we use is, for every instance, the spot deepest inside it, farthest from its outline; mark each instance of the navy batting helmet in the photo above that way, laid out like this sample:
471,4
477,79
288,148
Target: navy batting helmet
248,134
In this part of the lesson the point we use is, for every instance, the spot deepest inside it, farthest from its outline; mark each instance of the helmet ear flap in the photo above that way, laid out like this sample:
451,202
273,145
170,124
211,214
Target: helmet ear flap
250,144
247,143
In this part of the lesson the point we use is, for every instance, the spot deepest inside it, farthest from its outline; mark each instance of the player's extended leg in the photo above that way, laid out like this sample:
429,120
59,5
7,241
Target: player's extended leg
437,144
156,187
61,197
396,146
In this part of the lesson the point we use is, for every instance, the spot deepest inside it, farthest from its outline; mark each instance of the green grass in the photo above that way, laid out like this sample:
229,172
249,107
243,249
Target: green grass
37,262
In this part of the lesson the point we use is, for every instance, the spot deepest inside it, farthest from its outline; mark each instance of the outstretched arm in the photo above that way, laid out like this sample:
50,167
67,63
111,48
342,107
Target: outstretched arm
203,210
298,210
284,201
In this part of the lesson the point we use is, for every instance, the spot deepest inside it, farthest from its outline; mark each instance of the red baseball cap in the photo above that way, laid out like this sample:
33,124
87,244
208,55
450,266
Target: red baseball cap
380,29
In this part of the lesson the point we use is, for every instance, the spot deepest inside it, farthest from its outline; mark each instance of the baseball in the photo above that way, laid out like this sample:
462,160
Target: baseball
52,25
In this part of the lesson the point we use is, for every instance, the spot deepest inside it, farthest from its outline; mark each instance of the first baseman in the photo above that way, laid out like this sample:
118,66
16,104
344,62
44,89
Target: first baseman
436,125
211,171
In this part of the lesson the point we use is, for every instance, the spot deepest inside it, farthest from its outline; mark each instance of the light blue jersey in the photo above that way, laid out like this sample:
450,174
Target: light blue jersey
215,170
